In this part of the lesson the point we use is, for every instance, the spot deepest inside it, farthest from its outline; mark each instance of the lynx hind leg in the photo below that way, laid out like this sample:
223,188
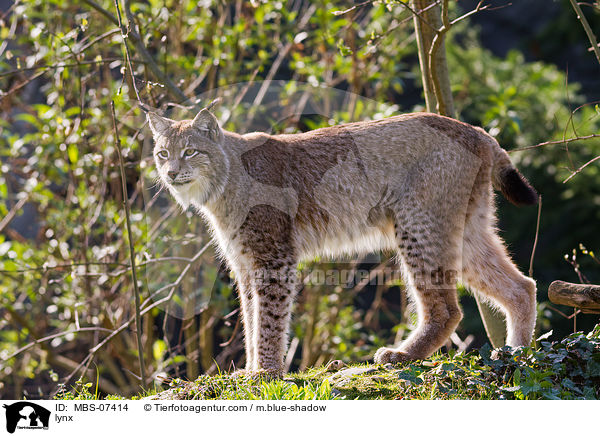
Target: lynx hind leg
429,262
488,270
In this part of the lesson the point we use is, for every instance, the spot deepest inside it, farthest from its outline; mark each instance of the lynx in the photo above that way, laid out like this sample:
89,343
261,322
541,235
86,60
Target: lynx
417,184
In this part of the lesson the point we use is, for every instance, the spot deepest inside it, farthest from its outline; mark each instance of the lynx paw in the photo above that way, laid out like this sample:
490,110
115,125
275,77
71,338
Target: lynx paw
260,374
388,355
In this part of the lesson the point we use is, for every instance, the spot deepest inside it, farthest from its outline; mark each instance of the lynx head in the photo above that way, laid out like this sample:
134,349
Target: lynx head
189,156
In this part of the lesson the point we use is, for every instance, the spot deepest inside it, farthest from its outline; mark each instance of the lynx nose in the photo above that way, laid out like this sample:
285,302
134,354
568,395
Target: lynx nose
172,174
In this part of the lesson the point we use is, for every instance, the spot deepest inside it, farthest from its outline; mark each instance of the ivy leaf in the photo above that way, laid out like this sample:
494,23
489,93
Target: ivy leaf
545,335
593,368
405,375
568,383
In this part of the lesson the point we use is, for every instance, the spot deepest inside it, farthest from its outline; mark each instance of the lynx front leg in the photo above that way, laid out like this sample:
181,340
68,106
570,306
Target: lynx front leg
266,236
274,294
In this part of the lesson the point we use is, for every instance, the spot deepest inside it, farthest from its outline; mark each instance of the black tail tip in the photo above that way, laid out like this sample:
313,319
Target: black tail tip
517,189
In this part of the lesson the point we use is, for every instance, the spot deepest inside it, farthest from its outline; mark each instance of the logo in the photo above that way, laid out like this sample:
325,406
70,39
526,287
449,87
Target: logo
26,415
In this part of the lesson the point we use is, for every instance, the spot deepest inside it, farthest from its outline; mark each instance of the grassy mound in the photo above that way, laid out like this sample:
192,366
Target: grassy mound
566,369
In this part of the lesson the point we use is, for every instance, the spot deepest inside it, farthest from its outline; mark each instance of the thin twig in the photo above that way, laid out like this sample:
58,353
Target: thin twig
145,310
587,28
13,211
15,88
100,9
53,336
418,14
339,13
141,48
96,40
558,141
283,52
570,121
158,73
147,262
235,330
128,57
480,7
549,306
376,39
535,241
61,266
578,170
136,291
60,65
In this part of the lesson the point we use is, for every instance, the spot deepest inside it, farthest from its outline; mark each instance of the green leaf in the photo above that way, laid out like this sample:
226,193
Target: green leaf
593,368
344,49
73,153
568,383
517,376
545,335
405,375
29,119
159,349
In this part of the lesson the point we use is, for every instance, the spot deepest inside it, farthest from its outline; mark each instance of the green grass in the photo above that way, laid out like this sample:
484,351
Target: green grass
566,369
225,387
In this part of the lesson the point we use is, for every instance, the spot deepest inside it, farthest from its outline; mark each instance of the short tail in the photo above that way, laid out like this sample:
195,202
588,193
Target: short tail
511,182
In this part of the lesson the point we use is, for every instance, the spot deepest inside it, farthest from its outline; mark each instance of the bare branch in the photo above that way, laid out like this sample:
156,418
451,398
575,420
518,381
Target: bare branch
13,211
60,65
582,296
136,291
53,336
537,232
558,141
60,266
145,310
338,13
587,28
158,73
141,48
283,52
103,11
578,170
480,7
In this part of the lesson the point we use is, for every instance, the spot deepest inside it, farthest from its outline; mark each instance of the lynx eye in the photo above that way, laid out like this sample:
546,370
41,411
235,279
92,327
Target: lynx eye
163,154
189,152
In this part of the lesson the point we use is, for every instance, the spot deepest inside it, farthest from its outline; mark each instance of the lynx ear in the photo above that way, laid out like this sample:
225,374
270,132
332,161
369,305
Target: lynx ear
207,122
159,125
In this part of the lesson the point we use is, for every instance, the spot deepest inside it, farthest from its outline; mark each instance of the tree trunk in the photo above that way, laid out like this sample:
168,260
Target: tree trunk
425,34
426,27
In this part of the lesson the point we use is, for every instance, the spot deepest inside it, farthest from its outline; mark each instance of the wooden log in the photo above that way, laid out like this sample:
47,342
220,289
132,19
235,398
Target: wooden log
575,295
